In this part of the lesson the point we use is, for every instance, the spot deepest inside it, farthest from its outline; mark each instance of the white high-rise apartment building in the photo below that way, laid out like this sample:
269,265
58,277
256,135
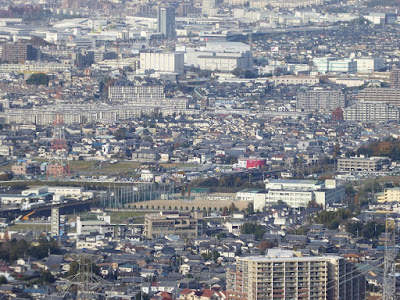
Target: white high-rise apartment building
166,22
281,274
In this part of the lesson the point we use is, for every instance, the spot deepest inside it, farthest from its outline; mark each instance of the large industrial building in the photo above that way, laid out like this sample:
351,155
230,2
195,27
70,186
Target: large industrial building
224,57
170,62
283,274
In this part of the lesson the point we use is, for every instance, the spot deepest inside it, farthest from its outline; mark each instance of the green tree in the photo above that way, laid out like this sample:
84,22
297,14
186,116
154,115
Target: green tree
232,208
215,254
38,79
47,277
250,208
237,72
104,83
354,228
206,256
372,230
13,250
267,244
120,134
221,235
142,296
336,150
253,228
225,211
332,219
3,280
249,74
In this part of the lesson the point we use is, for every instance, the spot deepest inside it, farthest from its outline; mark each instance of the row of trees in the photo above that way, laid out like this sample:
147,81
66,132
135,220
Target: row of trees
253,228
370,230
244,73
389,147
332,219
38,79
12,250
213,255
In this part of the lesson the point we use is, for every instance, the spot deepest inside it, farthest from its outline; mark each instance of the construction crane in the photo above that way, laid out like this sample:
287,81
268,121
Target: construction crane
26,217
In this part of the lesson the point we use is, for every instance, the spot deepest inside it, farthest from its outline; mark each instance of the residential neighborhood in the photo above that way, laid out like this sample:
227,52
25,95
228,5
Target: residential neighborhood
199,149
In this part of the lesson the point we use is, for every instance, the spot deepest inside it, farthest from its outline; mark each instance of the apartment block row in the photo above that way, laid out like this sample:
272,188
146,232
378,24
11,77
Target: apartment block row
82,114
129,93
363,164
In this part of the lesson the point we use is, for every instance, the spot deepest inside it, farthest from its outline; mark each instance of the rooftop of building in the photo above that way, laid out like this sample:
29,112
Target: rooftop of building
170,215
278,255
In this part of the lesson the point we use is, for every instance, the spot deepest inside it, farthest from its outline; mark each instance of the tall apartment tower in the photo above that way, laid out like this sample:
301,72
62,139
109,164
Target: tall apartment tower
395,78
282,275
55,221
166,21
18,52
209,7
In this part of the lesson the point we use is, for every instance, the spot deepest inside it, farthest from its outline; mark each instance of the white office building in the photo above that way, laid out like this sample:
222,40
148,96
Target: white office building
333,64
369,64
321,64
299,193
342,66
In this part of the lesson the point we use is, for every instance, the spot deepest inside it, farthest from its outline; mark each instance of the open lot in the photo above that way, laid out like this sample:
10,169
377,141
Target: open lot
29,226
121,216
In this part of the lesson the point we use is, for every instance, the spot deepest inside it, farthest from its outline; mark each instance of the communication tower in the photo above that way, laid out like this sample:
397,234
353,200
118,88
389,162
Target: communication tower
58,166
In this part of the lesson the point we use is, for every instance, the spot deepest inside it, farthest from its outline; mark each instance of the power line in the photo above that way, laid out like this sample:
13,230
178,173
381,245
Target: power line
348,279
389,280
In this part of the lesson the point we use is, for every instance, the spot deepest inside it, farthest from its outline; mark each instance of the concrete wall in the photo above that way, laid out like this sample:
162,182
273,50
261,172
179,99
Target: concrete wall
183,205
